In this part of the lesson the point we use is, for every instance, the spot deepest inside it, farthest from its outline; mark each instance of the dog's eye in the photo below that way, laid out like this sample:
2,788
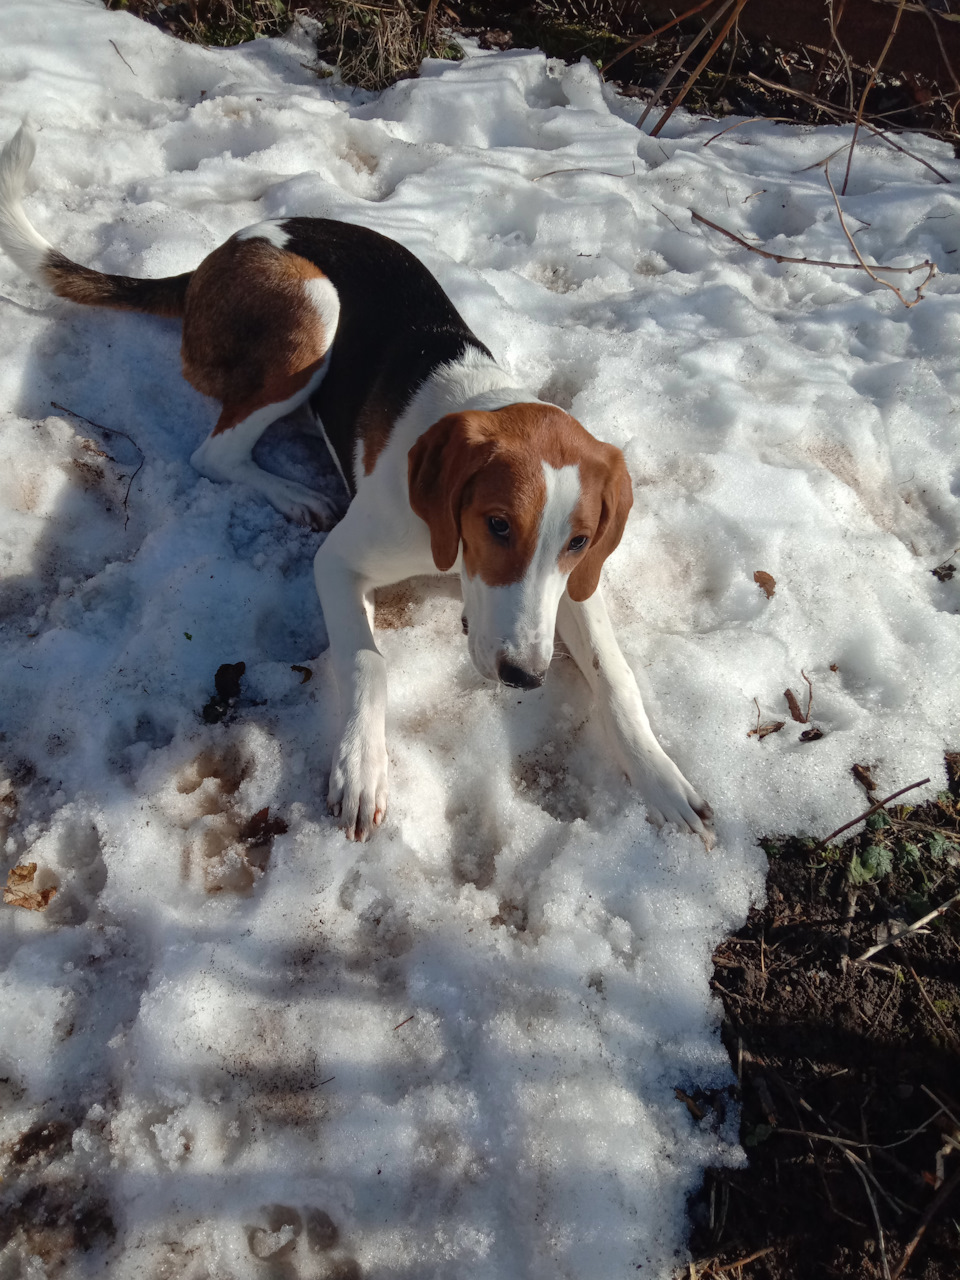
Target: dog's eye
577,544
498,526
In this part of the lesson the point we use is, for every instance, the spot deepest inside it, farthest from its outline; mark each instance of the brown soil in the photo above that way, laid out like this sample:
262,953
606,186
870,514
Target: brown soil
849,1072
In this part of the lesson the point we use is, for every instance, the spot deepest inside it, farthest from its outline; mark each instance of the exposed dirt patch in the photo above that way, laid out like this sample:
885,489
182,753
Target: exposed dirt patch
849,1068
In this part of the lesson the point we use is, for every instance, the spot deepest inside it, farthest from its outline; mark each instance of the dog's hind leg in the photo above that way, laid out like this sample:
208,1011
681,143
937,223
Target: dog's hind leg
226,455
259,323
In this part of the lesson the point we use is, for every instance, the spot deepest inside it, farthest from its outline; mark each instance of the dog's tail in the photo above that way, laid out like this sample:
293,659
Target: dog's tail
45,264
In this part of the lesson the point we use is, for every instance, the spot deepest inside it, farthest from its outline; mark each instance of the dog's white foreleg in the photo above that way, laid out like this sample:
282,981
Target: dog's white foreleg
584,627
357,794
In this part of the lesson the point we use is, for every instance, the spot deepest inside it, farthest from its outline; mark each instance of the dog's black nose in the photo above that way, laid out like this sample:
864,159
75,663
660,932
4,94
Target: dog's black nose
517,678
465,624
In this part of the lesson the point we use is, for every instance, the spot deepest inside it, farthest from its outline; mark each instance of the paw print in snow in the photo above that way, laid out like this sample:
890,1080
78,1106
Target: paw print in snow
296,1244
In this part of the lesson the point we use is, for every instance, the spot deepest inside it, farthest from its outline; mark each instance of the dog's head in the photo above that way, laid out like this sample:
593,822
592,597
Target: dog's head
537,505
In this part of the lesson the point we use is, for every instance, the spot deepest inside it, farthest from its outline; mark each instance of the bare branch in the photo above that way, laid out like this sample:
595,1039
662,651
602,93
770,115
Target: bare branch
652,35
691,79
872,272
869,85
870,812
665,82
812,262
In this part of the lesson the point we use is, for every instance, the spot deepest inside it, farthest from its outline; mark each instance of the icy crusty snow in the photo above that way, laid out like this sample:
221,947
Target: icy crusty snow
452,1052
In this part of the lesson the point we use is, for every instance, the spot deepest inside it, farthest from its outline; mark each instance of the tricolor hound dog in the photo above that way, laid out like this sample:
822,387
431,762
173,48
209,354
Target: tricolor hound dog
450,467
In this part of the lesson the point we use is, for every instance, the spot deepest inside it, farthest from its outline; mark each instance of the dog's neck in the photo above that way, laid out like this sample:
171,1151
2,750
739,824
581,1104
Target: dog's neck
472,382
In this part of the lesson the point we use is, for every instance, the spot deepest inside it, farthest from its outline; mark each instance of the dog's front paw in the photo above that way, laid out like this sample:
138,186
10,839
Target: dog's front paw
669,797
673,800
357,795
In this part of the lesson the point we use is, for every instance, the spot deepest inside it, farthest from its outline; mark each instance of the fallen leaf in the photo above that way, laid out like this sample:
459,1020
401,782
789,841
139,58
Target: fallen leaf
862,774
811,735
794,706
690,1103
764,730
765,582
305,672
16,894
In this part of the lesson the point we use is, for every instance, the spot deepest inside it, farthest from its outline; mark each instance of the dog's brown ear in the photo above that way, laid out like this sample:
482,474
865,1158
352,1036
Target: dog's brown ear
617,501
439,467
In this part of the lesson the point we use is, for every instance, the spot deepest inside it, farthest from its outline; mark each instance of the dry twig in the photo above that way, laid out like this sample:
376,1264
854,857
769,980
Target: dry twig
677,66
112,431
935,1205
914,928
652,35
844,56
691,79
871,271
934,1010
800,716
749,120
811,262
123,59
869,85
840,114
861,1171
869,813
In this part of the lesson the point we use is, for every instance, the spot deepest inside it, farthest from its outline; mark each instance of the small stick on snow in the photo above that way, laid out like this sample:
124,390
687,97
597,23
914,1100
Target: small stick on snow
750,120
870,812
872,271
123,59
603,173
815,262
914,928
113,430
671,221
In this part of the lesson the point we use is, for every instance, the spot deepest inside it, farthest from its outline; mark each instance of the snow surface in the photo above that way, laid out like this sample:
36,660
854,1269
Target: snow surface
453,1051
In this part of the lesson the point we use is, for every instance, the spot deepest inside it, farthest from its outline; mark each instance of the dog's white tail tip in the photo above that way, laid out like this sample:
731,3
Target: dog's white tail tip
25,246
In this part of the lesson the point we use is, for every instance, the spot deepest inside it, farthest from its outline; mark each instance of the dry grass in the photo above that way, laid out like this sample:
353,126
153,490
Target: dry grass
372,44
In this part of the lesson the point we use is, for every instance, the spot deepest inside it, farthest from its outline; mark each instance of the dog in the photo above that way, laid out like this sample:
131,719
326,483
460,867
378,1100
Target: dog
450,467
